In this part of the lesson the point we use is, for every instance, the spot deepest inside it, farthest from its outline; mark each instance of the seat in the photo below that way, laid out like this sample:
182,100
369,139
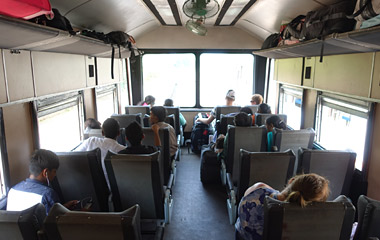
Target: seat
293,139
135,179
253,108
273,168
19,225
174,111
225,110
81,176
137,109
225,120
92,133
126,119
337,166
171,119
63,224
319,220
252,139
260,118
368,219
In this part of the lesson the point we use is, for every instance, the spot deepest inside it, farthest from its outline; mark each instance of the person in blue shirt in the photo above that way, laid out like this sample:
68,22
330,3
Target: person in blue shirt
271,123
36,189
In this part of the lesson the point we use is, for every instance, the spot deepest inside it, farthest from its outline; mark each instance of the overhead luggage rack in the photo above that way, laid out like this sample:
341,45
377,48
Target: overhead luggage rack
23,35
357,41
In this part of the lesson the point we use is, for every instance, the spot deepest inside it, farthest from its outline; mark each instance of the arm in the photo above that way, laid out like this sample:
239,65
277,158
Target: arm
256,186
206,120
157,141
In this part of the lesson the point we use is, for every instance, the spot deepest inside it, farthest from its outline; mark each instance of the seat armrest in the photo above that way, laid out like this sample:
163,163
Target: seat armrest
223,172
170,182
230,183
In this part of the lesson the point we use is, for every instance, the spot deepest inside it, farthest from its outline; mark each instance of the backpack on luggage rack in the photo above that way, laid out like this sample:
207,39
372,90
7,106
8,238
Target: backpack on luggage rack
364,10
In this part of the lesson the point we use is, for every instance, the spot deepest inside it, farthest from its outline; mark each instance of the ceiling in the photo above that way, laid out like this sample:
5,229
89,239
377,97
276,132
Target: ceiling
138,17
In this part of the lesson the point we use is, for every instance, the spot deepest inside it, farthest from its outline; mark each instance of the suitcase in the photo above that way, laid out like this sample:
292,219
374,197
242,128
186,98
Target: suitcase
199,135
210,166
25,9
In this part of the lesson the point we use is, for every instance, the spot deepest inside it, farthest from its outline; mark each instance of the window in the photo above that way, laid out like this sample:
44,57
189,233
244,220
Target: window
271,86
290,104
60,121
220,72
106,102
170,76
342,125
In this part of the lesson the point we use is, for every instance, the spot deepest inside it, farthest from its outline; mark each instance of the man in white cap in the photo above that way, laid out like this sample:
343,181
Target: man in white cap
230,98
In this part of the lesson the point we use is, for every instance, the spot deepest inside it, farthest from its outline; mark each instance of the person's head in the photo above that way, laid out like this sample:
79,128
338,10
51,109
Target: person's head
92,123
168,102
306,188
111,128
264,108
230,97
256,99
150,100
134,133
43,165
247,110
157,114
274,122
242,119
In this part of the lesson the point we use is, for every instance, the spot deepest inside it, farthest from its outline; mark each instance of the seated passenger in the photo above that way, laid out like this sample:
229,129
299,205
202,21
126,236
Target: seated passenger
110,131
134,135
148,101
92,123
271,123
264,108
182,120
157,118
302,189
256,99
43,167
230,98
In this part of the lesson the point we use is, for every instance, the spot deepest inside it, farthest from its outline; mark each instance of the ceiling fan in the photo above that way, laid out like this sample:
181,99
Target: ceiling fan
198,11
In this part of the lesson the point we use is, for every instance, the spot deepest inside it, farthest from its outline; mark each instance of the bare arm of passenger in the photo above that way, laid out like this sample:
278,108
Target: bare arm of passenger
71,204
206,120
157,141
256,186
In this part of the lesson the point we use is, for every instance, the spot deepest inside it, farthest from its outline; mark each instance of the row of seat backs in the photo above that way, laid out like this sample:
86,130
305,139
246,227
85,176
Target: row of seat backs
319,220
368,218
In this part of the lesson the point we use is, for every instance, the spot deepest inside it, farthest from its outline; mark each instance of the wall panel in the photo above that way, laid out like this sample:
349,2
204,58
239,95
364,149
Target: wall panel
308,72
375,91
309,104
374,161
289,70
90,71
103,67
89,103
3,91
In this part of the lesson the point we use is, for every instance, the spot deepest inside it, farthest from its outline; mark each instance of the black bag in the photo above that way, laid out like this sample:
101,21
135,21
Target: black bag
364,10
332,19
58,21
199,135
294,28
271,41
210,166
97,35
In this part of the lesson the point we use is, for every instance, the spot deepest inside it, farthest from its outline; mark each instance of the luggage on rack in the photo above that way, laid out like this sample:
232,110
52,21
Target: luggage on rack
210,166
58,21
200,134
364,10
25,9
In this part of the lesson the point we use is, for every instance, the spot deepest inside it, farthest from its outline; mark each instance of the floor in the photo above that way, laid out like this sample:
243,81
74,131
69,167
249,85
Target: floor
199,211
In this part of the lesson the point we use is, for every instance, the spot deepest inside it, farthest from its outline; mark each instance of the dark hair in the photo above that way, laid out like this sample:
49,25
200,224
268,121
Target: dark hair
42,159
264,108
111,128
247,110
242,119
168,102
150,100
159,112
219,143
276,122
134,133
92,123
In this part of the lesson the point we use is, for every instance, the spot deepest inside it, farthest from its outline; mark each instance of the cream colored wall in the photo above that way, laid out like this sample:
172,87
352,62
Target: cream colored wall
310,98
181,38
374,163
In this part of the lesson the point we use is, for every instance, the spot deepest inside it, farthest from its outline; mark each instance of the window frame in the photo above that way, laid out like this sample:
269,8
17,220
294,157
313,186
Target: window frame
105,90
293,91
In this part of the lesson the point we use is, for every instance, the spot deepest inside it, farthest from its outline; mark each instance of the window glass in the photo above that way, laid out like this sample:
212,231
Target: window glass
291,104
106,102
59,125
221,72
124,94
170,76
271,98
343,127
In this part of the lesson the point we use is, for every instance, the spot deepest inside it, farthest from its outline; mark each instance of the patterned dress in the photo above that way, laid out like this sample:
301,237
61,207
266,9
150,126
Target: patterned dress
250,222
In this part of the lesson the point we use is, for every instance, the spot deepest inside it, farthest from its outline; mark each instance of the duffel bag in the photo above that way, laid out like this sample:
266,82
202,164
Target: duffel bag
364,10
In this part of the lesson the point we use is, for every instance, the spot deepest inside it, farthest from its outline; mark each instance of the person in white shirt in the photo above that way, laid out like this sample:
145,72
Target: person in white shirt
110,131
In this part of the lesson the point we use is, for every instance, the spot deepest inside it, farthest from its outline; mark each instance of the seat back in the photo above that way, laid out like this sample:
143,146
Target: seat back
18,225
337,166
319,220
224,122
64,224
248,138
126,119
293,139
273,168
135,179
137,109
253,108
175,111
165,161
368,218
81,176
225,110
260,118
92,133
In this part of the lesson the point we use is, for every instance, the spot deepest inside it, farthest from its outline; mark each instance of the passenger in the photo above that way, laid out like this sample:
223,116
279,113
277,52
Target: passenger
157,118
219,144
256,99
271,123
148,101
110,131
264,108
92,123
230,98
182,120
302,189
134,134
43,168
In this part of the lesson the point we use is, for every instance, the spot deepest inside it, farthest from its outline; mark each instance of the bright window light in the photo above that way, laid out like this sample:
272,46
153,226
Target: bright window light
105,106
291,104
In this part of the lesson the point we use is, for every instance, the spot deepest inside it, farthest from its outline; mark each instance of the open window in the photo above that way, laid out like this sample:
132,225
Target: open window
342,124
60,121
290,103
106,102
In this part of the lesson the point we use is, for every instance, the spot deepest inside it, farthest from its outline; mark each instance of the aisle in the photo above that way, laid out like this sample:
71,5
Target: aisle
199,211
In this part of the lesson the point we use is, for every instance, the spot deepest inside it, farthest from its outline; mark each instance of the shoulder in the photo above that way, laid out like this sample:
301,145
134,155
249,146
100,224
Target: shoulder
259,188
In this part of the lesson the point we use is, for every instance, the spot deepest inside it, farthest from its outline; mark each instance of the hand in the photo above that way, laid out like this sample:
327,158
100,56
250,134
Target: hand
71,204
155,128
